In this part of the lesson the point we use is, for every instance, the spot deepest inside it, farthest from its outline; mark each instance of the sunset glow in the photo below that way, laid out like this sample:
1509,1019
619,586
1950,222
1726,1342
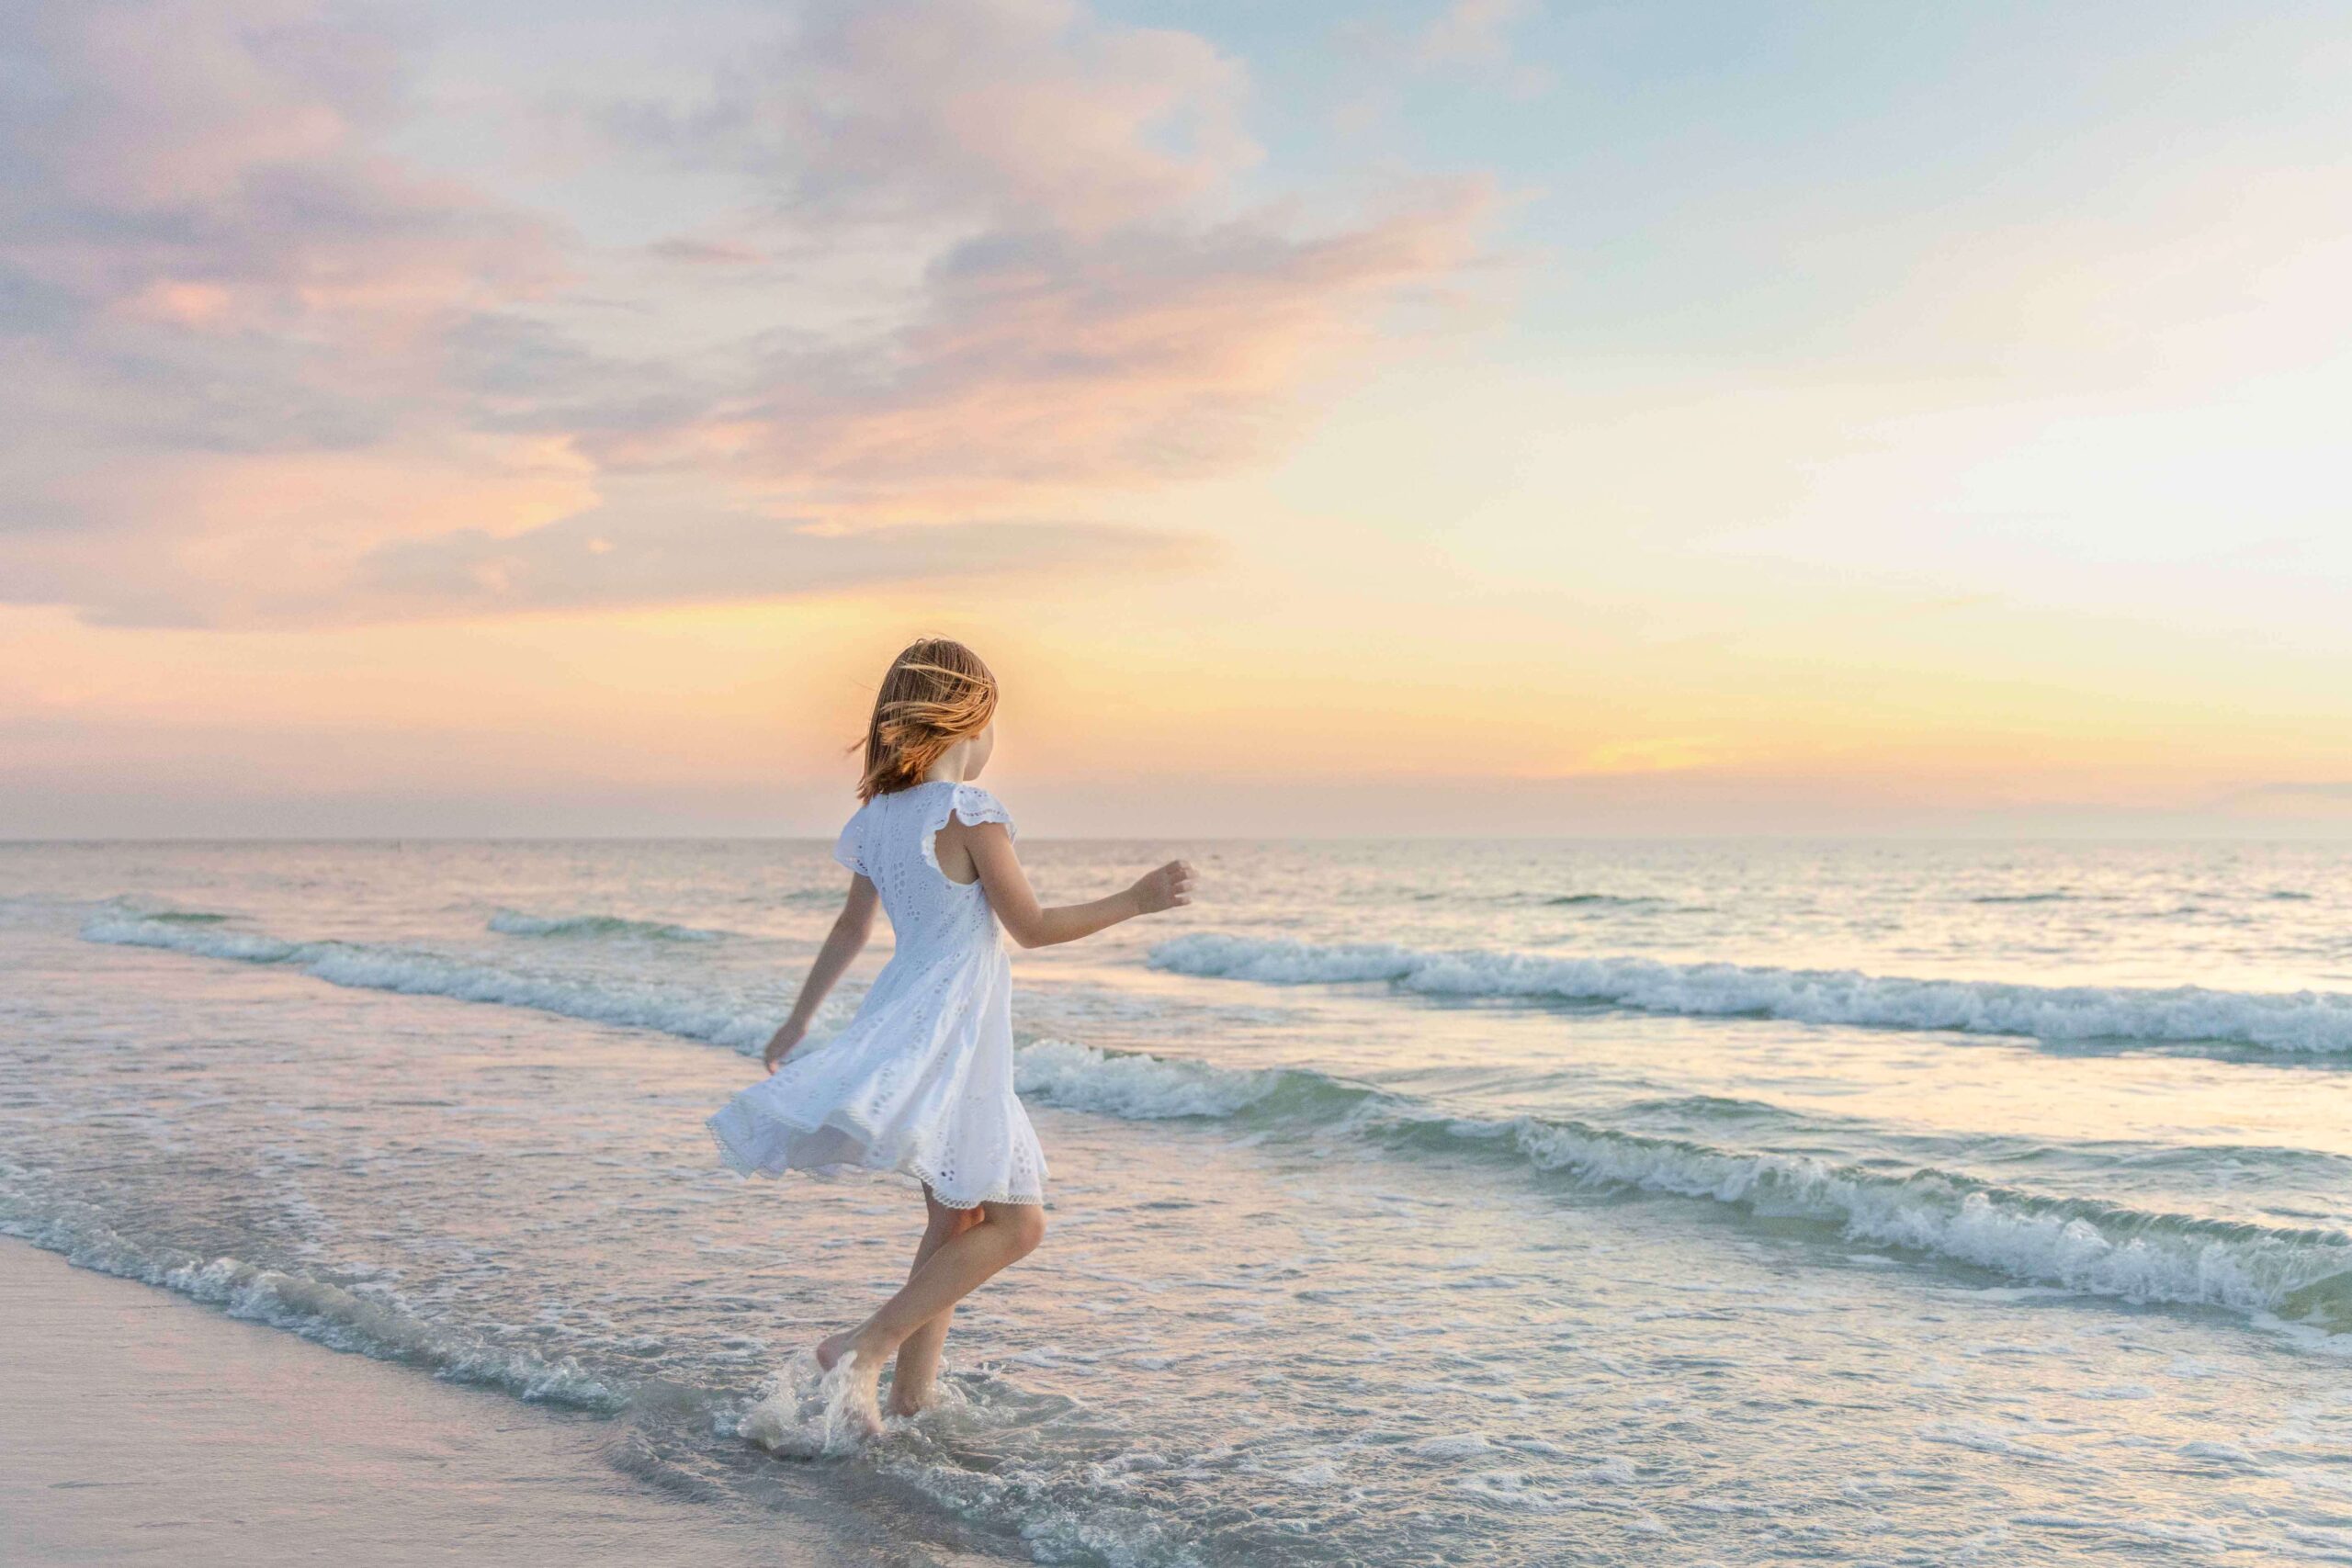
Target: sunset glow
1453,420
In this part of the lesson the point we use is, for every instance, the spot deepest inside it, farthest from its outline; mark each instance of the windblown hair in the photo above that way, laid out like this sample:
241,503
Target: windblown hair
935,694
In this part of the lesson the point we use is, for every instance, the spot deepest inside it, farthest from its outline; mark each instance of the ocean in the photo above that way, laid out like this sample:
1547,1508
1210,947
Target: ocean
1412,1202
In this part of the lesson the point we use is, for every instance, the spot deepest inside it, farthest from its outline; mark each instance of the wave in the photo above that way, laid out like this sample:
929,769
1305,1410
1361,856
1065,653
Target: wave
2313,1021
2078,1245
1133,1087
511,922
2053,897
1551,900
1136,1087
164,913
2096,1247
314,1309
1607,900
417,972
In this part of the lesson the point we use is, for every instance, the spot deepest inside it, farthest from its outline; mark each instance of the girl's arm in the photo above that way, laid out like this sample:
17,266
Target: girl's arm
1016,906
842,944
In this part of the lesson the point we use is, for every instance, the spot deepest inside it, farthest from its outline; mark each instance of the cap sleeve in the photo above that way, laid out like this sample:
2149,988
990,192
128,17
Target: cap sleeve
848,846
976,805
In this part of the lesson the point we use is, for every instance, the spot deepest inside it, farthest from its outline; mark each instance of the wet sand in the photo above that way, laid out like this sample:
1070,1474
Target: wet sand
136,1426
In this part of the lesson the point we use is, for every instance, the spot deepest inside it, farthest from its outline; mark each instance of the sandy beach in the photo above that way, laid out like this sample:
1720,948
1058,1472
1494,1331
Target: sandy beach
137,1426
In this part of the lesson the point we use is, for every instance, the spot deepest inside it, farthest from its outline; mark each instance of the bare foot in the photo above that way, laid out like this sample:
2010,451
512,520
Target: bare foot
911,1395
862,1374
830,1348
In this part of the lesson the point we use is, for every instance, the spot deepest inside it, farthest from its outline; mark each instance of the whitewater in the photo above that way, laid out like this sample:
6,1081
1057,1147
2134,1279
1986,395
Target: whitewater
1507,1203
2186,1014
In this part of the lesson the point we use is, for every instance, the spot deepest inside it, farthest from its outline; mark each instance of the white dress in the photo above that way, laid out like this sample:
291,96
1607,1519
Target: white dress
921,1080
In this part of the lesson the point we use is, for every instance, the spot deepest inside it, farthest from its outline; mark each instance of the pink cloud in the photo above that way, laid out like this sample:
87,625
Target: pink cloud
1039,362
226,146
1471,29
272,371
1008,111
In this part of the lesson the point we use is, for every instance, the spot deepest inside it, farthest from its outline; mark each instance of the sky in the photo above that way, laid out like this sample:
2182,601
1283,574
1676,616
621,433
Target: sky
1464,417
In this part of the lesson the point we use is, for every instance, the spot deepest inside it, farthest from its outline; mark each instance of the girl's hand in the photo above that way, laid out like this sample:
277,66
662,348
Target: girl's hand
1163,890
781,1046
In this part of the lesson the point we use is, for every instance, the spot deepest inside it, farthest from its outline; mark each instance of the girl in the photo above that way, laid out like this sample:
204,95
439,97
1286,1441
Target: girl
921,1080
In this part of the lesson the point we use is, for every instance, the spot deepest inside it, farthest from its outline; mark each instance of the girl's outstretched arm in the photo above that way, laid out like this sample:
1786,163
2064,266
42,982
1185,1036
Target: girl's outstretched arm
842,944
1032,925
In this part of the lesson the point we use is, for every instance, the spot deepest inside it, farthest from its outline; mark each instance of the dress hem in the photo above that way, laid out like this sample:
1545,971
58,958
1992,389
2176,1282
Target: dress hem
735,1162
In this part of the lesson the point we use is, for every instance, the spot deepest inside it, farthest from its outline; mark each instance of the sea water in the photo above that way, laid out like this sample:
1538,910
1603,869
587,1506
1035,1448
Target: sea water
1411,1202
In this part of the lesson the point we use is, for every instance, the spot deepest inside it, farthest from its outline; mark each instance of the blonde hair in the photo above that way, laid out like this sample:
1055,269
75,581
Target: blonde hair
935,693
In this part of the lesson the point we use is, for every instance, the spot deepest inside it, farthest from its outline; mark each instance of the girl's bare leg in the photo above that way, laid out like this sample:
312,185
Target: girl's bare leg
957,1267
917,1363
940,1223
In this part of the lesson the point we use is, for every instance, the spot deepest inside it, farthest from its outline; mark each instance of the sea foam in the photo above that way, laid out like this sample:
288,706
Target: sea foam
419,972
2316,1022
2072,1244
513,922
313,1308
2084,1246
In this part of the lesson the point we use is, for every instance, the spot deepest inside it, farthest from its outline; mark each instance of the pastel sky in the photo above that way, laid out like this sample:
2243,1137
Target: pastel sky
1458,417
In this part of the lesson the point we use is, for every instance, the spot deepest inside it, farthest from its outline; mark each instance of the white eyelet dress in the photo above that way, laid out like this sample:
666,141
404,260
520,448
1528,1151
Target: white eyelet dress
921,1080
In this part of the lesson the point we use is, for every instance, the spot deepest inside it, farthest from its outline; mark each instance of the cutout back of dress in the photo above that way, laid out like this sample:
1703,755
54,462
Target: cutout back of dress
892,840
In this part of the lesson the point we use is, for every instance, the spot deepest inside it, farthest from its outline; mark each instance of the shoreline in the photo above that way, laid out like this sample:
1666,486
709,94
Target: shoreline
136,1424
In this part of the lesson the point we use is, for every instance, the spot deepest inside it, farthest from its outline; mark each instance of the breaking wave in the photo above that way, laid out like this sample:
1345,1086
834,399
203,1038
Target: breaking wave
670,1008
315,1309
2314,1021
510,922
2082,1244
2098,1248
2095,1247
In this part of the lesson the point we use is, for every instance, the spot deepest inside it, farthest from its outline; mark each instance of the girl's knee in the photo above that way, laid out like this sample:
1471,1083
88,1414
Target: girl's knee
1024,1226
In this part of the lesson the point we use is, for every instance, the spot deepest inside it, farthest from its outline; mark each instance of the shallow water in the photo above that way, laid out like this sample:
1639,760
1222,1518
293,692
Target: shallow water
1505,1204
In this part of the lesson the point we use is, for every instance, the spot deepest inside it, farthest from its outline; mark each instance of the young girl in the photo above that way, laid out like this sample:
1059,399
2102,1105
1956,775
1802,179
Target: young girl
921,1080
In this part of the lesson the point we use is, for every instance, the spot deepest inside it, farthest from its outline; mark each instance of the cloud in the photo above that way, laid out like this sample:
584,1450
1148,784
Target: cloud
607,557
206,164
1465,40
714,252
1003,112
216,294
1040,362
927,267
1470,31
233,539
